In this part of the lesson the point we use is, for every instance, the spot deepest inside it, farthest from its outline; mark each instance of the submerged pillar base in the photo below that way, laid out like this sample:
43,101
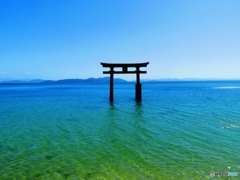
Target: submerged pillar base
111,94
111,88
138,92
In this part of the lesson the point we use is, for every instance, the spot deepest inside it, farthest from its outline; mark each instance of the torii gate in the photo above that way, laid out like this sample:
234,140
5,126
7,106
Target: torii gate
125,66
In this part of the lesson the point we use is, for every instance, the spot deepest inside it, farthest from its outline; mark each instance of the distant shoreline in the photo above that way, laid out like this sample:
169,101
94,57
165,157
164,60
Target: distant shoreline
106,80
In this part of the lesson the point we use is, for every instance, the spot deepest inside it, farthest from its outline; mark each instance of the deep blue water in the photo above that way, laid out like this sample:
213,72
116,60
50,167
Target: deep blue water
180,130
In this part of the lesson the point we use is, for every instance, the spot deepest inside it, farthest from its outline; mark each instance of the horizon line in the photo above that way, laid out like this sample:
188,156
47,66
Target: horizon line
144,80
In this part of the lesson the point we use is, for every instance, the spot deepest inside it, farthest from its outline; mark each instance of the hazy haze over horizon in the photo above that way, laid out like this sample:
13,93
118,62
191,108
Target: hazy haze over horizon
68,39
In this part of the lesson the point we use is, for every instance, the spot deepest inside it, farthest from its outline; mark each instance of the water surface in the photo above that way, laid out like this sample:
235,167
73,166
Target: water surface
181,130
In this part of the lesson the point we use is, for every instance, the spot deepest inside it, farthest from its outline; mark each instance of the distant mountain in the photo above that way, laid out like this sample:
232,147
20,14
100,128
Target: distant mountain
89,80
65,81
104,80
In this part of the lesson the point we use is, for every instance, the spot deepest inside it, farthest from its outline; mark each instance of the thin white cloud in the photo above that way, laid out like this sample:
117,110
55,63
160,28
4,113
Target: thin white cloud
28,73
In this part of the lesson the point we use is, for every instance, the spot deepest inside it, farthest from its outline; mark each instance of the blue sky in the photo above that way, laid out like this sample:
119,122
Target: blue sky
56,39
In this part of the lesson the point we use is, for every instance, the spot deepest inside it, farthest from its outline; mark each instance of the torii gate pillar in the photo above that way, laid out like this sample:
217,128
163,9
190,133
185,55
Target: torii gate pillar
111,85
125,66
138,86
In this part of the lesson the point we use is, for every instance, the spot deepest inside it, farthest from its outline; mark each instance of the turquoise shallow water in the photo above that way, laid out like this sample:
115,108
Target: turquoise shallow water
181,130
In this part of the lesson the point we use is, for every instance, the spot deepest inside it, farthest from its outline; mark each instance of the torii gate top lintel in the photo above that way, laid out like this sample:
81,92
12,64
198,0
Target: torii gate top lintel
124,67
125,64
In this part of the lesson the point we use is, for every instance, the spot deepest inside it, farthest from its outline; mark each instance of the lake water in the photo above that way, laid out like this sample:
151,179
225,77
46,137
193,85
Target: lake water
181,130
